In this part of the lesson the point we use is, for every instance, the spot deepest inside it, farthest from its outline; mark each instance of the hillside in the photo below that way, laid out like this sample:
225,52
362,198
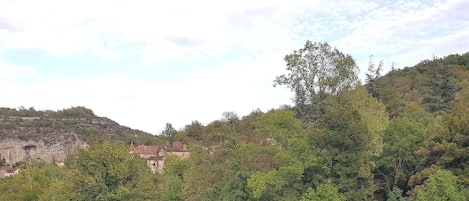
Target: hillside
56,134
431,85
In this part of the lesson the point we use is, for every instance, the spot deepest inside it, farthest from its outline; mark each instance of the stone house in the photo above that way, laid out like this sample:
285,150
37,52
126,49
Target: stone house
156,164
176,148
144,151
156,155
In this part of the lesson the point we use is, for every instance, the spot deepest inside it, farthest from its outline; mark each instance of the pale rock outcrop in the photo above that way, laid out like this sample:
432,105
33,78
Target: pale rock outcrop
13,150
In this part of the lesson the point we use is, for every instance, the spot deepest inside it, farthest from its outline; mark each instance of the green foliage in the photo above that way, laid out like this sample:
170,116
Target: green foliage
108,172
234,187
279,184
172,180
75,112
169,132
396,195
280,124
401,139
324,192
315,71
33,182
353,127
194,130
430,85
442,186
447,146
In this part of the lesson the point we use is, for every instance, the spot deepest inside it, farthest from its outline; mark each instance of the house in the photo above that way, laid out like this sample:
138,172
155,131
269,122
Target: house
144,151
156,163
156,155
176,148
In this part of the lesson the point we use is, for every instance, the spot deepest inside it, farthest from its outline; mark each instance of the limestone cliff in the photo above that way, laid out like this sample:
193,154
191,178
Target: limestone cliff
13,150
53,135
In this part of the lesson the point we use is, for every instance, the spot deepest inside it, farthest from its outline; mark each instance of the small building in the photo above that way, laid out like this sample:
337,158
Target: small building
176,148
155,155
156,163
144,151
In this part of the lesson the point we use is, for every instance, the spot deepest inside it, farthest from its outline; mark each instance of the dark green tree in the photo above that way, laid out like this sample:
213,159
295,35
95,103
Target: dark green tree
169,132
194,130
350,139
396,195
401,139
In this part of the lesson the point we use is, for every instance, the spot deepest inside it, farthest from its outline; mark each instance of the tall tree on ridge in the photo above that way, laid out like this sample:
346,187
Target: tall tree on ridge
314,72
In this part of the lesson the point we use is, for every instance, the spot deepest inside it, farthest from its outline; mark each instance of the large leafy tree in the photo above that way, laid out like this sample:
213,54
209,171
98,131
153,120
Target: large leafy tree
34,182
396,195
194,130
108,172
324,192
294,155
351,140
401,139
315,71
169,132
442,186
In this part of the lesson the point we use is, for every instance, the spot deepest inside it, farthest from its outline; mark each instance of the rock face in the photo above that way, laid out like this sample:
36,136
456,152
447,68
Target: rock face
27,134
13,150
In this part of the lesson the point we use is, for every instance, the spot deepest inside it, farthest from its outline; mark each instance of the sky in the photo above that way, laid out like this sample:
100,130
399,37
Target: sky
146,63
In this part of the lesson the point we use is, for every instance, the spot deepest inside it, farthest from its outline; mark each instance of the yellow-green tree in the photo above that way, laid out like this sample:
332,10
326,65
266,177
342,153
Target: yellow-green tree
442,186
108,171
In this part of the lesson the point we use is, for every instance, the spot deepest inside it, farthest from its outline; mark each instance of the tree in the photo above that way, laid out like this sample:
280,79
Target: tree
442,186
169,132
293,156
230,117
352,139
314,72
440,89
401,139
396,195
324,192
108,172
373,73
280,124
32,183
194,130
234,185
447,145
173,178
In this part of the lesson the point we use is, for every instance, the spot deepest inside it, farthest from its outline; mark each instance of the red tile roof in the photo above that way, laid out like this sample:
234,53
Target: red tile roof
142,149
177,146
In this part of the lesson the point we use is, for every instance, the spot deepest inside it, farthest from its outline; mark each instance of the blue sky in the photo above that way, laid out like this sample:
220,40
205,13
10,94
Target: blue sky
145,63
